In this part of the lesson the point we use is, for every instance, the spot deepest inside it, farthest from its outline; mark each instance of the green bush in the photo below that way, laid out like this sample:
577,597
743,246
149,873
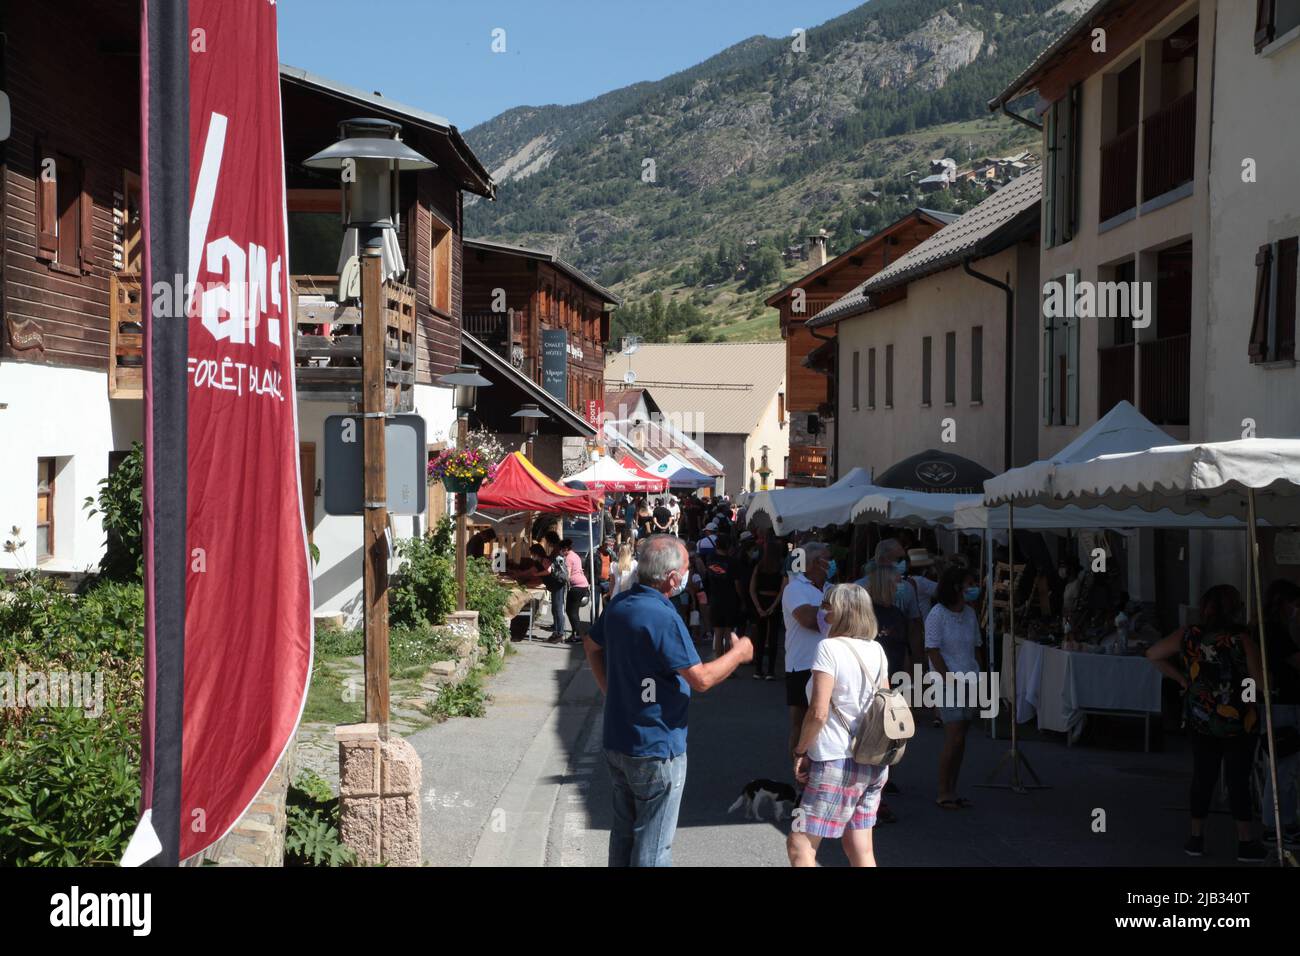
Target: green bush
120,504
311,834
70,782
423,592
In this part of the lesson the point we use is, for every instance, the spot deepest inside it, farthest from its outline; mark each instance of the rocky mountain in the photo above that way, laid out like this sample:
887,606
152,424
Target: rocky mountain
648,186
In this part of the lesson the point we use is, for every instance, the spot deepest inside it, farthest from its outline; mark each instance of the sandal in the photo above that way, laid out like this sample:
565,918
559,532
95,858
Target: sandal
963,803
948,804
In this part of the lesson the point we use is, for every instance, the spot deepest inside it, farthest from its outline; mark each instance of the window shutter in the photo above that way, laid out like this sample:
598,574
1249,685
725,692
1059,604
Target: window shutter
47,207
1259,327
86,235
1072,371
1265,16
1046,374
1288,259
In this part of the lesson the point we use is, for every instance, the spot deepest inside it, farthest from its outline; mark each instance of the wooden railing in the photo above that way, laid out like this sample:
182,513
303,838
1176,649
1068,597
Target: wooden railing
807,461
1119,174
125,337
1169,147
1166,380
501,331
1115,365
328,343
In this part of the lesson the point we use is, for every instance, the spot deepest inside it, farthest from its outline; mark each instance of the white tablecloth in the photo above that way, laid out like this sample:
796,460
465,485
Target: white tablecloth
1059,686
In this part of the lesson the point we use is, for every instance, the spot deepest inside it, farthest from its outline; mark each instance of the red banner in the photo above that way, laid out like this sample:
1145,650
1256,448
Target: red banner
248,626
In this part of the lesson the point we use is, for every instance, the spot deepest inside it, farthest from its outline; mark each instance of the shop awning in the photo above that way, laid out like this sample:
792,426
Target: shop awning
606,475
520,486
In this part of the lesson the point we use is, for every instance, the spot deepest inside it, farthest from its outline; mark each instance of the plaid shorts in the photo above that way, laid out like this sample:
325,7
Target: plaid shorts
840,795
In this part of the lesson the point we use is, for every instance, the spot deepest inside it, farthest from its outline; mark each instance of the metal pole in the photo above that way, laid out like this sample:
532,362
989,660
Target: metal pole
990,629
375,537
462,428
1011,627
1263,666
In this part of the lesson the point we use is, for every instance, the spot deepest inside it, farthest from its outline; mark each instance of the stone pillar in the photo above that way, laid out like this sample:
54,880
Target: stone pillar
379,796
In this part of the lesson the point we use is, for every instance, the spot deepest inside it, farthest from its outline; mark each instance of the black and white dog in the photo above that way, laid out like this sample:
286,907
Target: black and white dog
760,793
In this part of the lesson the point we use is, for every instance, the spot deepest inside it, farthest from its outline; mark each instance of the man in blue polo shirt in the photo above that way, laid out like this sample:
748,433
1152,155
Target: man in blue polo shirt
646,664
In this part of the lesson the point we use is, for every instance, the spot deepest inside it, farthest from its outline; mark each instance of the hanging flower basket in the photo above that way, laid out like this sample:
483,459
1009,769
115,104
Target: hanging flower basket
462,470
467,486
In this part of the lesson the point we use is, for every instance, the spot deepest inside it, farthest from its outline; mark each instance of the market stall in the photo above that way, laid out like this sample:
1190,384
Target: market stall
1061,687
1251,479
788,510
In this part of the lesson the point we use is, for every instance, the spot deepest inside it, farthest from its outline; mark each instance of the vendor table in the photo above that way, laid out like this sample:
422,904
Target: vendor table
1062,687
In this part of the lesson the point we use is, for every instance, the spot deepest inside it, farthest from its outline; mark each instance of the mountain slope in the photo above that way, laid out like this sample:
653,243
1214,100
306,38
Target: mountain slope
693,185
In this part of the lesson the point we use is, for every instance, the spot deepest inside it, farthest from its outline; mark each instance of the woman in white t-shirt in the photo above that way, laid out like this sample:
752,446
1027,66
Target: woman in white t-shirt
952,643
841,797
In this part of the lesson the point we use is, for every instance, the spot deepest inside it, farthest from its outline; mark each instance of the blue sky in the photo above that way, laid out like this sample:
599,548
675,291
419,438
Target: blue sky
436,54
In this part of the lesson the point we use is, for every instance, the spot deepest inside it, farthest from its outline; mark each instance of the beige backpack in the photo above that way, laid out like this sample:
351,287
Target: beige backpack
885,725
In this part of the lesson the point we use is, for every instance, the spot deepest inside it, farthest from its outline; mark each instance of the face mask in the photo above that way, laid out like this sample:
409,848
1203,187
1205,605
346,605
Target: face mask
901,567
831,569
822,624
681,584
971,594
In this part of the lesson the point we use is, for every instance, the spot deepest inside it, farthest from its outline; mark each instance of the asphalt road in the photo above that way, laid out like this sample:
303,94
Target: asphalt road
527,786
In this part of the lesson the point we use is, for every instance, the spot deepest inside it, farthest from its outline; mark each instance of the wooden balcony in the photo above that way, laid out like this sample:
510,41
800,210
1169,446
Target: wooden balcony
327,342
1166,380
1119,174
1169,147
125,337
503,332
1115,367
807,461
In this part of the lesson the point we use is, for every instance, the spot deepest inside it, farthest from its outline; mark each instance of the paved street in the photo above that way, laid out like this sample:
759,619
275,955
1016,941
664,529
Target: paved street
526,786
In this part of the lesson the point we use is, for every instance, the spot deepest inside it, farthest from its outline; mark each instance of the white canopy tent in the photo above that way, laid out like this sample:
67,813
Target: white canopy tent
605,474
1122,429
1215,479
897,507
788,510
974,515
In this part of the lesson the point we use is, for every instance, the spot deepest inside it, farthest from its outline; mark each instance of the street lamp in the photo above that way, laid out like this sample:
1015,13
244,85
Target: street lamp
369,156
530,418
764,471
466,381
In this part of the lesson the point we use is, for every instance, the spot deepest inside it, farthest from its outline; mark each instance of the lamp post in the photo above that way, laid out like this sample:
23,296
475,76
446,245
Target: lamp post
466,381
530,417
369,155
764,470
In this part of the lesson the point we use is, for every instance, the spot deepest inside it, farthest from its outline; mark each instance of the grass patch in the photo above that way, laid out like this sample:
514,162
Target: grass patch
328,700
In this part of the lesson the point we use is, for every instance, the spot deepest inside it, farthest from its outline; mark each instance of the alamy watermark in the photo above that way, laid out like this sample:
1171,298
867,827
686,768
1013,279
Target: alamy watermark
38,689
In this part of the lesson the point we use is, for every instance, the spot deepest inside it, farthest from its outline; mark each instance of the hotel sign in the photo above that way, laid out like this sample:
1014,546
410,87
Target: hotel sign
555,363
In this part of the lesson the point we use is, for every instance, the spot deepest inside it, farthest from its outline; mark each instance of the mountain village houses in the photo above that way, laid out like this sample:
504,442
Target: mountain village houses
1152,259
71,369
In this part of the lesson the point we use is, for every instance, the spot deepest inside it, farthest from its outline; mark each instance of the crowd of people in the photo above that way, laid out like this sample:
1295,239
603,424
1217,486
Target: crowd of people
692,595
683,595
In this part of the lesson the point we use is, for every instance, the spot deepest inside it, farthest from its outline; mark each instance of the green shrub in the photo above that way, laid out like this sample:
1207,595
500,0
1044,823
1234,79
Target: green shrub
423,591
120,503
465,699
70,782
311,833
71,787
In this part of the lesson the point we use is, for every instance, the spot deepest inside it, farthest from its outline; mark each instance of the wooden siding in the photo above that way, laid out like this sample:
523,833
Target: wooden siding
59,314
551,299
807,390
438,341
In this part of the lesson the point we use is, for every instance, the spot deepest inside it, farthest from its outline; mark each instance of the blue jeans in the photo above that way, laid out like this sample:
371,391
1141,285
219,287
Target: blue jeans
557,610
647,795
